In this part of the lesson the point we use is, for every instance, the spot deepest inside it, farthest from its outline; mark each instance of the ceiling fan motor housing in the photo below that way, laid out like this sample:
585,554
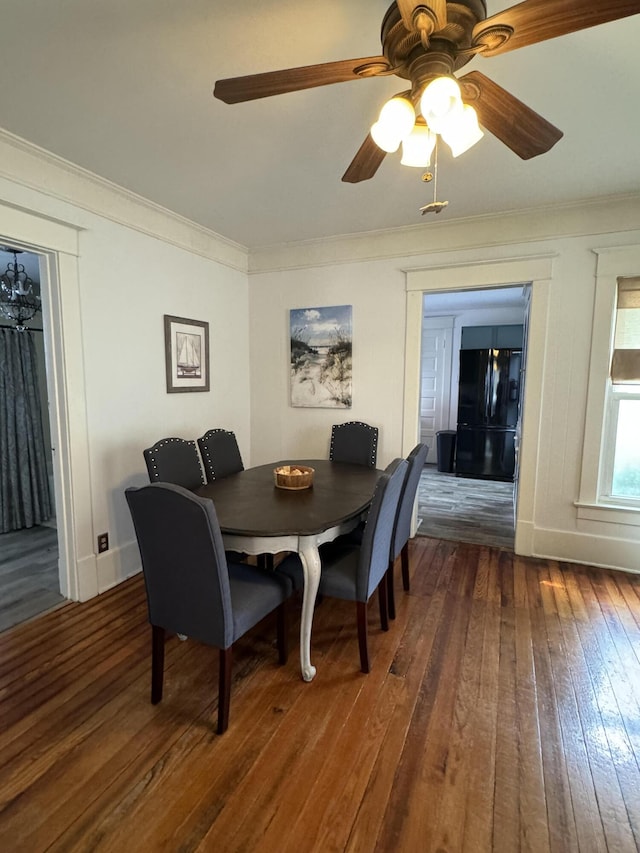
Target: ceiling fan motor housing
448,50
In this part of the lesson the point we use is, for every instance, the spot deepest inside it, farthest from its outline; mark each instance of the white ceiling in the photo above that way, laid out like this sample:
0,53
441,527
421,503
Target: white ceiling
124,89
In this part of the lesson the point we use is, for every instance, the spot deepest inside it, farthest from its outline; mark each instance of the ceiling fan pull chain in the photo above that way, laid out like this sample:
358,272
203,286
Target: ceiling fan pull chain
435,170
434,206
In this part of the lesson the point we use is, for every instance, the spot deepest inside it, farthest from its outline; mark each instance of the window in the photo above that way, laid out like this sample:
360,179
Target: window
621,464
621,457
610,481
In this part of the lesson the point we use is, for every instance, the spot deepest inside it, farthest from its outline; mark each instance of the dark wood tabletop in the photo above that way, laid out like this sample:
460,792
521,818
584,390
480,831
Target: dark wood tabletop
250,504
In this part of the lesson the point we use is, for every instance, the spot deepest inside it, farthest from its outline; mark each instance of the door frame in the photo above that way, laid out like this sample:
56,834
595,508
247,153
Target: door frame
57,244
534,270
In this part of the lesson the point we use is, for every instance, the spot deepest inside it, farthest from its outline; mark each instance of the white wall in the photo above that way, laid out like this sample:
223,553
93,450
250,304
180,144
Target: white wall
375,285
134,263
376,292
131,281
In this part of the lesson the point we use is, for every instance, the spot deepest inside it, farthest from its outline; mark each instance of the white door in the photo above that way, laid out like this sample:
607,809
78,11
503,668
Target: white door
437,337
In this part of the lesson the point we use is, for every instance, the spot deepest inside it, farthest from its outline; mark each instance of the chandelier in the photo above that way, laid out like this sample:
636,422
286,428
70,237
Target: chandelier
442,112
18,302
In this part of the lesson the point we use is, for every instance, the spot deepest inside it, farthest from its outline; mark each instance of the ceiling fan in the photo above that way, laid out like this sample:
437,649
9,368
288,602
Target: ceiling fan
423,40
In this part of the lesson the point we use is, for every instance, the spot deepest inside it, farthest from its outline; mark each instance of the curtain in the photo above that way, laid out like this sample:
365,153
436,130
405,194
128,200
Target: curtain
24,485
625,364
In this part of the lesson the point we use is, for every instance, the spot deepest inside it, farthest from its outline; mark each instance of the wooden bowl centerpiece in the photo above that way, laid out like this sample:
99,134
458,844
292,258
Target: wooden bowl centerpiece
293,476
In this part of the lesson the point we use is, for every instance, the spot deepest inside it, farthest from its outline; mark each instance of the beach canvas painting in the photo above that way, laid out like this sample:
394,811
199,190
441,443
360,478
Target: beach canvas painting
321,345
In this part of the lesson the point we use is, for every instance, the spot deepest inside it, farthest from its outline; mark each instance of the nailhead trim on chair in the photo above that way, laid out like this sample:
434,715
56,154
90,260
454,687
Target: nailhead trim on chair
206,455
156,447
374,430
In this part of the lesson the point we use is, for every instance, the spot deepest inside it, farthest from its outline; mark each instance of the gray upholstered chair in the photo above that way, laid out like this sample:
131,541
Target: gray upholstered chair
354,571
220,454
191,588
174,460
402,529
221,457
355,442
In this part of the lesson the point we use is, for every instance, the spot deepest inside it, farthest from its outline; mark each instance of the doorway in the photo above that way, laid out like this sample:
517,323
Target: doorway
485,272
56,242
477,509
29,573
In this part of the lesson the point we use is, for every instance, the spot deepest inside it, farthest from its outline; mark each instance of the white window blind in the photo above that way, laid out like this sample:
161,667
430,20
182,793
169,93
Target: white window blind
625,364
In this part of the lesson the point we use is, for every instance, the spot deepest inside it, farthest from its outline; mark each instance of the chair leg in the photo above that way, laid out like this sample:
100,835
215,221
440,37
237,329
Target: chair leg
404,556
361,612
265,561
157,663
224,689
283,632
391,593
383,601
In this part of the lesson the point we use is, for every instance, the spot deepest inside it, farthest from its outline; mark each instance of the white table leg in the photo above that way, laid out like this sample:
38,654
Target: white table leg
310,558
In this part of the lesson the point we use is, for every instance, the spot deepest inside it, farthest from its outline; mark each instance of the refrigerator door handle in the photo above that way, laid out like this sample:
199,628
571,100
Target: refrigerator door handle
488,390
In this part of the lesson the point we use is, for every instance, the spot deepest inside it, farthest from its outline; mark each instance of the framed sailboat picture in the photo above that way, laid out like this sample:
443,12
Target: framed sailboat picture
187,354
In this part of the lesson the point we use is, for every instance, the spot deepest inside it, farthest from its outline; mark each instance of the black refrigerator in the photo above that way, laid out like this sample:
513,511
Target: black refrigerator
488,406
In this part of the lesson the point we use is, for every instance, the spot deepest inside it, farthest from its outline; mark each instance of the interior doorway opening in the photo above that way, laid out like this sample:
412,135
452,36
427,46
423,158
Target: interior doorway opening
472,372
29,553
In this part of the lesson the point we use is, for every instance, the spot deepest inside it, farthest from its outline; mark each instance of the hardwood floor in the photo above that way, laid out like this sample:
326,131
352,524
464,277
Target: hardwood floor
502,713
464,509
29,582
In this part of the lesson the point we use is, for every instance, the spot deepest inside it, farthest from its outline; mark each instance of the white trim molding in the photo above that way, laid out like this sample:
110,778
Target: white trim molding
28,165
536,270
58,246
592,511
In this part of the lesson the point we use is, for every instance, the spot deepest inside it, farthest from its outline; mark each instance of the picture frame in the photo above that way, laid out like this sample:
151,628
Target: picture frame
320,357
186,345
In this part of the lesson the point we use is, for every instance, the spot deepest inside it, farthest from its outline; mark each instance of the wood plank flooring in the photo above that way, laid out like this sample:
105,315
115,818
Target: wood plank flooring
502,713
464,509
29,582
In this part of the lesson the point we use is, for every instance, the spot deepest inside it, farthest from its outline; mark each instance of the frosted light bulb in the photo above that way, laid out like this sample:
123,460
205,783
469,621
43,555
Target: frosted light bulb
463,131
417,147
398,113
440,101
384,138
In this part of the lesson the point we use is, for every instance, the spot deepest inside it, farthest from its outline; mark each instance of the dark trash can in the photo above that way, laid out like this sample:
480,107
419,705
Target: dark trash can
446,443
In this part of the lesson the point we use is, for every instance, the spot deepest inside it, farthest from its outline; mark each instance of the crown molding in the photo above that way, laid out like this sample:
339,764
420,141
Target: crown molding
27,165
37,169
612,214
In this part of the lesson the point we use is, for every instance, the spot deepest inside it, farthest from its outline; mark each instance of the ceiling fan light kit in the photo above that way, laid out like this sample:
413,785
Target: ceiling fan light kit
426,41
442,112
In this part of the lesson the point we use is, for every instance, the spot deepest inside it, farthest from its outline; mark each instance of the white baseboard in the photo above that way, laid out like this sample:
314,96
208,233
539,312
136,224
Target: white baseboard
601,551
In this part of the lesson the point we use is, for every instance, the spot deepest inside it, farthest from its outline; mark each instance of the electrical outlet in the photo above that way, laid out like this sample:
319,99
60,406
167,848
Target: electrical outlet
103,542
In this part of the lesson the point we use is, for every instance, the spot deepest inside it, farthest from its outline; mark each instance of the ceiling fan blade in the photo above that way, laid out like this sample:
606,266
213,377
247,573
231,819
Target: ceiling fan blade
235,90
366,162
423,14
520,128
539,20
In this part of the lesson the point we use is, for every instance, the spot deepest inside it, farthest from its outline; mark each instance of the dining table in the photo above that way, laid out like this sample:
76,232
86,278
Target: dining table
257,517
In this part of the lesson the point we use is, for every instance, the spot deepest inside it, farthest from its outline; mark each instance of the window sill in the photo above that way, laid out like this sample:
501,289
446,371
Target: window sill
612,513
